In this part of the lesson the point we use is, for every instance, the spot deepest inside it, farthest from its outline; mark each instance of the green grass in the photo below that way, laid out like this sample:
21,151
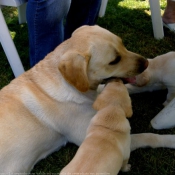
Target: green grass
129,19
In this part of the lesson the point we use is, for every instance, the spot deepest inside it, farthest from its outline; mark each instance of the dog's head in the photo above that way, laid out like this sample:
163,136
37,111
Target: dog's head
114,94
93,54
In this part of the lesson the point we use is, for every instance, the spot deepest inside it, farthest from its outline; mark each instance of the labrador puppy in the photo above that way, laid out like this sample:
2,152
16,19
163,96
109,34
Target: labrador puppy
159,75
51,104
106,148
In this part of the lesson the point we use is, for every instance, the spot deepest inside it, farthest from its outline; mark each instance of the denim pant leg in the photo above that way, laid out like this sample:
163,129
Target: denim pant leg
45,26
82,12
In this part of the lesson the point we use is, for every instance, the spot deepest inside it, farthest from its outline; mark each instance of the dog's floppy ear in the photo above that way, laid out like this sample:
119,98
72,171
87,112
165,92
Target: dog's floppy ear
73,67
128,110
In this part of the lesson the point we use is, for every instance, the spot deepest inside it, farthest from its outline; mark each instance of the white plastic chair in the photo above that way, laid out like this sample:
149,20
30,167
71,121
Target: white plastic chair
155,16
103,8
5,38
156,19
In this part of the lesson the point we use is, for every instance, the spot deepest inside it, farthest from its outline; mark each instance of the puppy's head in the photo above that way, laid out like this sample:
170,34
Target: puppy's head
114,94
93,54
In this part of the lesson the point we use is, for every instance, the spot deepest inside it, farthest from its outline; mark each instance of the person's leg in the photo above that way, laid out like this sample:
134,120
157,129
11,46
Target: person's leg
82,12
169,13
45,26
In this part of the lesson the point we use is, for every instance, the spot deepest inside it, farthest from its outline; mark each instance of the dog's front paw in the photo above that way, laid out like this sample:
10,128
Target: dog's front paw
126,168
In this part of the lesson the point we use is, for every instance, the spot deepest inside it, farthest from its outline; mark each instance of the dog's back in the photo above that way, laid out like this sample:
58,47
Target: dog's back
107,143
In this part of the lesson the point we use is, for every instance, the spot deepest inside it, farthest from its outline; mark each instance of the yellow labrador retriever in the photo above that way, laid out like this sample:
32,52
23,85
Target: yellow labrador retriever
51,104
106,148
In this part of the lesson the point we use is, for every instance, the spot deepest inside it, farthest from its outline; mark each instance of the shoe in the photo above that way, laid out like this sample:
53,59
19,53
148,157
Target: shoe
170,26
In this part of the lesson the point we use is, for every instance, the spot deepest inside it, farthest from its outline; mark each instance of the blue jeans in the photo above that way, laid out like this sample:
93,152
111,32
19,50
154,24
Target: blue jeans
46,20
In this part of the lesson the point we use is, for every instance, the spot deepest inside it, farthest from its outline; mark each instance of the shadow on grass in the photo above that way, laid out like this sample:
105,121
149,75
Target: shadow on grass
134,26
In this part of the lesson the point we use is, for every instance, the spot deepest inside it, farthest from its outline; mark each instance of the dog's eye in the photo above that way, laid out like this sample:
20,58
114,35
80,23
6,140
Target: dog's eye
117,59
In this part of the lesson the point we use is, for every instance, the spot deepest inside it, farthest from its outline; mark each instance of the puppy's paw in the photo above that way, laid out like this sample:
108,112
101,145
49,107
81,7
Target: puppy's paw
126,168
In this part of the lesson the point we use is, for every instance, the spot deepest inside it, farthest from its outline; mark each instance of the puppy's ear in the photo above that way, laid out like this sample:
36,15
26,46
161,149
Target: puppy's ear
73,67
129,111
127,107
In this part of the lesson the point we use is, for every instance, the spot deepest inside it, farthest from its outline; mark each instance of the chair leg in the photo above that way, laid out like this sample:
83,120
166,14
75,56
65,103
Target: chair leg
9,48
156,19
22,13
103,8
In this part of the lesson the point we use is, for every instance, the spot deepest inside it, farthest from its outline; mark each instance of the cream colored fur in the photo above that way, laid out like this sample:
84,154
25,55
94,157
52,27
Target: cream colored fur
51,104
106,148
160,74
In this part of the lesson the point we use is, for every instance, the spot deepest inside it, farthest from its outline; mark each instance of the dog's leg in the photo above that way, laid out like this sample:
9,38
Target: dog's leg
152,140
126,167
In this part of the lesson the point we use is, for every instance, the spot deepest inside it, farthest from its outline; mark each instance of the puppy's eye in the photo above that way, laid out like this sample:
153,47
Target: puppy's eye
117,59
